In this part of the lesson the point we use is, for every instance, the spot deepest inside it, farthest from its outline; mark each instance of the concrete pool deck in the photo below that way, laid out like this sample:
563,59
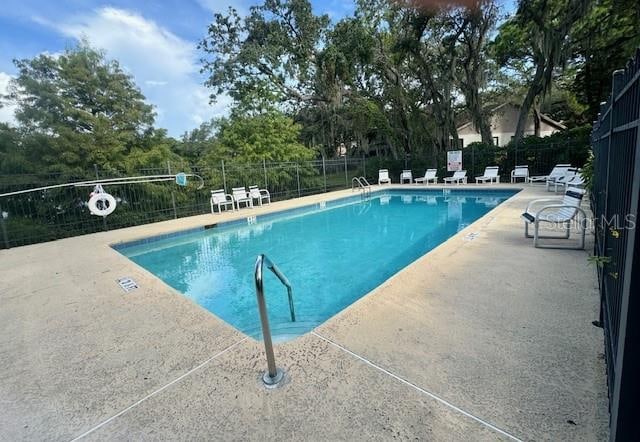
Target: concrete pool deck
482,339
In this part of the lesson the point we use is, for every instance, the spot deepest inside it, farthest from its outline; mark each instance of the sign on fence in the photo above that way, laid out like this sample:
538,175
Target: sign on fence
454,160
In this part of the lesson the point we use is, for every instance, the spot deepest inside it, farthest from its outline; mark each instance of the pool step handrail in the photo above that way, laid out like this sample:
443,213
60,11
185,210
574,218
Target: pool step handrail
363,184
273,375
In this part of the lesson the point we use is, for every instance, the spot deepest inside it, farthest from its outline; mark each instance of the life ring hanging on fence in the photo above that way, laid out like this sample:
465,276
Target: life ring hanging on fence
101,203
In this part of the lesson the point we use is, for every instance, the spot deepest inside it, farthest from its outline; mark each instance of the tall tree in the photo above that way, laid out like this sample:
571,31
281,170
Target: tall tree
538,34
603,40
84,108
481,18
269,56
270,136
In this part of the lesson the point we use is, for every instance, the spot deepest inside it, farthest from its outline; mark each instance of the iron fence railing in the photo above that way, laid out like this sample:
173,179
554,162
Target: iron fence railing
540,158
62,212
614,198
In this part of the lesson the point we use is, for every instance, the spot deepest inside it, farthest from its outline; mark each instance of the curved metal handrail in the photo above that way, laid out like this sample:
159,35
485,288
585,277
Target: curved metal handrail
273,375
355,180
363,184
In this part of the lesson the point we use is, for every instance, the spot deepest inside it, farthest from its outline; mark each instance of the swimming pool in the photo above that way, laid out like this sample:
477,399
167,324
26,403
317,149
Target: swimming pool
333,253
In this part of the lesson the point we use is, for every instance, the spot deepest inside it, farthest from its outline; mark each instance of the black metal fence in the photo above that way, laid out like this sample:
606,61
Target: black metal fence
540,157
63,212
615,197
59,213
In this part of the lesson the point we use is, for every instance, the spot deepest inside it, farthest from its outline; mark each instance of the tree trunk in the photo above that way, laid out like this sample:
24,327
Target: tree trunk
536,119
534,90
478,117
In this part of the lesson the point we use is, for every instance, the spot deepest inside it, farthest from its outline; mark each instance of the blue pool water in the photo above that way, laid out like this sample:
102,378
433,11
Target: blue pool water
332,254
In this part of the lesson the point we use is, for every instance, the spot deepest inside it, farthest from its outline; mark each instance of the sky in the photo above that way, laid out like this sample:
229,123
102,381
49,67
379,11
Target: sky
154,41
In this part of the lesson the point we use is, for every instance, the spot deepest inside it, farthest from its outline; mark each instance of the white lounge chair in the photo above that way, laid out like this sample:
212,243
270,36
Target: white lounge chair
490,174
576,180
406,175
240,196
383,176
561,180
429,176
556,211
558,171
520,172
459,176
221,199
261,195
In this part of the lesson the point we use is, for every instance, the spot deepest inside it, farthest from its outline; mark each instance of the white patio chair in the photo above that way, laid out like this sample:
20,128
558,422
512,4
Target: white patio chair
429,176
561,180
490,174
459,176
240,196
383,176
558,171
520,172
261,195
559,212
406,175
220,199
573,178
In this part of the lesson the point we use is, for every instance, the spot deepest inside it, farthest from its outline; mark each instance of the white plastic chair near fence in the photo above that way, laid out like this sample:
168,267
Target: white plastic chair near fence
429,176
383,177
240,196
520,172
262,195
220,199
558,171
561,180
558,211
490,174
459,176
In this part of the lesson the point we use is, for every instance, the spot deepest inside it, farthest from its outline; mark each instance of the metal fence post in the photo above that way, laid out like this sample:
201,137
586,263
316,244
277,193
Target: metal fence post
264,168
173,196
224,178
5,237
298,178
346,174
104,218
364,166
473,160
324,174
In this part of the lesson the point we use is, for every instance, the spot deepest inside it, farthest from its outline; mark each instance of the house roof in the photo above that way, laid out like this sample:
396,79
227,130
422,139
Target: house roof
543,117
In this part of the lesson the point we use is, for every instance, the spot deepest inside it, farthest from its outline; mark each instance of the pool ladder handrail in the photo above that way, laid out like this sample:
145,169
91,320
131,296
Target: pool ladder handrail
363,184
273,375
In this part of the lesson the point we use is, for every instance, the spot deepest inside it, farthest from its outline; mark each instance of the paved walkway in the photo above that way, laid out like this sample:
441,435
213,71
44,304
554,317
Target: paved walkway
487,339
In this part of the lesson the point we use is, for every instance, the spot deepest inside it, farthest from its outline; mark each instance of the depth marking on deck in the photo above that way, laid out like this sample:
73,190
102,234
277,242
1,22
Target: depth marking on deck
420,389
178,379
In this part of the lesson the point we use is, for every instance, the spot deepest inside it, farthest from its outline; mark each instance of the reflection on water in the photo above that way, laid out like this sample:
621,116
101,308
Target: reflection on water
332,255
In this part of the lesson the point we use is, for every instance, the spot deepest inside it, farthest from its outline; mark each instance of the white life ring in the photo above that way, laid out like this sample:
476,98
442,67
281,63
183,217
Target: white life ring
102,204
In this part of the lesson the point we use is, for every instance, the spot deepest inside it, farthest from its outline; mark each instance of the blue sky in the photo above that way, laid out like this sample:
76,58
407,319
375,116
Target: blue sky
155,41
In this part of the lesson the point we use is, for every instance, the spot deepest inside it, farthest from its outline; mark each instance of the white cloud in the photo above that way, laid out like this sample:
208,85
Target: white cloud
155,83
7,110
222,6
163,64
